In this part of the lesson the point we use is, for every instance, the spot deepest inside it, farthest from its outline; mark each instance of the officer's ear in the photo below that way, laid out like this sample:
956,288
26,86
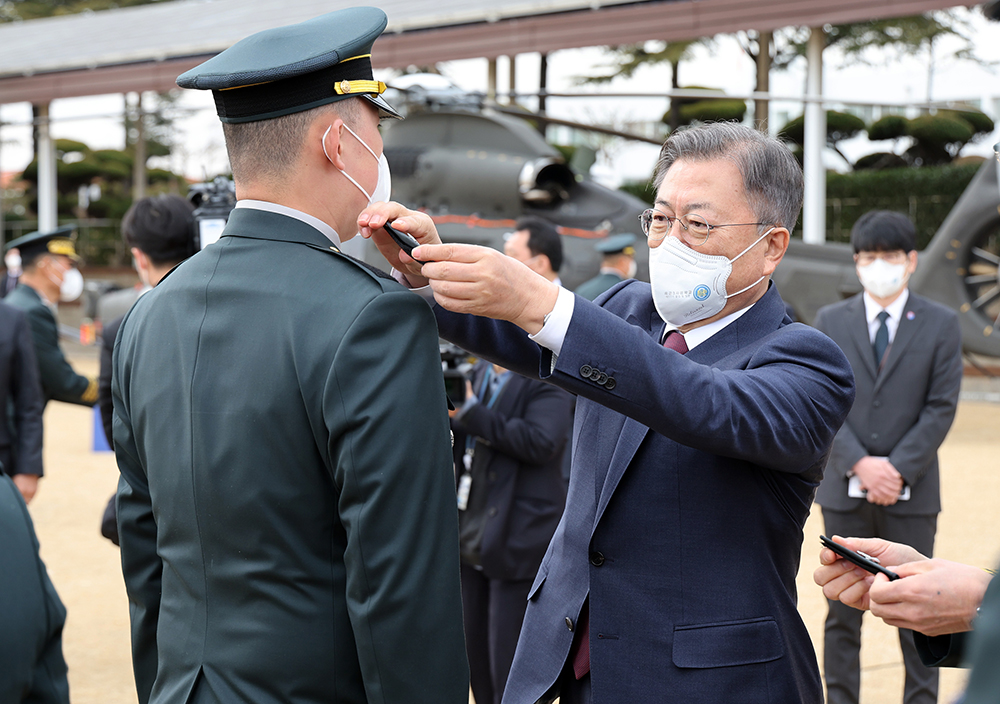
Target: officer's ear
330,139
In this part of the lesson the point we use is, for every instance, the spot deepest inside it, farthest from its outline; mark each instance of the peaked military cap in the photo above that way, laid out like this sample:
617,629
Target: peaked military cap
616,243
298,67
57,241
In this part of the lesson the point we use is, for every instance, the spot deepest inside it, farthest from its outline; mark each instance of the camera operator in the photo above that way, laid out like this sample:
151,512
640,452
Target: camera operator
158,230
510,435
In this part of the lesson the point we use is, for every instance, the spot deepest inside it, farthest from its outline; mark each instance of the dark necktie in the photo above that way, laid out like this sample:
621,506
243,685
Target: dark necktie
675,341
881,339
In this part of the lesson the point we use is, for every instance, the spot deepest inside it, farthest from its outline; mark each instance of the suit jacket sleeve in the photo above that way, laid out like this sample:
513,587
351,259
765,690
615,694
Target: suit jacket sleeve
141,566
104,401
59,381
390,453
912,454
780,412
28,403
534,437
847,450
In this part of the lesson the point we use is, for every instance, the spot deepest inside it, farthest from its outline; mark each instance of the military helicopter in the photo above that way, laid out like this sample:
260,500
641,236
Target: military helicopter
476,168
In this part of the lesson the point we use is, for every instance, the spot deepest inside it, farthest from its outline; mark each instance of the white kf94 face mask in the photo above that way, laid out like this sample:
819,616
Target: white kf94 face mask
882,279
689,286
383,186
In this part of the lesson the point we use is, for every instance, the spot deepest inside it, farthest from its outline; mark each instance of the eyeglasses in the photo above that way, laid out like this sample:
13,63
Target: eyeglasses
656,224
897,256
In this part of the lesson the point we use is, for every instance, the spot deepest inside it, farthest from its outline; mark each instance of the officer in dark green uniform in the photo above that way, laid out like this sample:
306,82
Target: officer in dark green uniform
50,275
617,264
32,668
287,511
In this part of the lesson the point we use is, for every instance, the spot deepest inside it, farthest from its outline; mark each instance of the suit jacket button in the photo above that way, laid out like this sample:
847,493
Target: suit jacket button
876,403
596,559
610,383
569,623
601,378
874,436
492,511
586,370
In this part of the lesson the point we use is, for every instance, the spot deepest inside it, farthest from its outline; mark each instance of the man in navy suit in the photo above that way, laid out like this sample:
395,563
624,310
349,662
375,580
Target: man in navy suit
906,352
672,572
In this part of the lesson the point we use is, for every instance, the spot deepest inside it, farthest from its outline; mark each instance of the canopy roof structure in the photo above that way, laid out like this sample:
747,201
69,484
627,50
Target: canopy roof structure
147,47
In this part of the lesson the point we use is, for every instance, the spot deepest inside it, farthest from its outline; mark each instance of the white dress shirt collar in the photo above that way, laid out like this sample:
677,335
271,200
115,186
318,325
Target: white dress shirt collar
894,309
308,219
695,336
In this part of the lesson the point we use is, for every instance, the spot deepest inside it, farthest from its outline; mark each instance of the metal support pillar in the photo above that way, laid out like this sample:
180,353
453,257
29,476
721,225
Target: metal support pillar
512,80
139,165
491,81
814,206
47,193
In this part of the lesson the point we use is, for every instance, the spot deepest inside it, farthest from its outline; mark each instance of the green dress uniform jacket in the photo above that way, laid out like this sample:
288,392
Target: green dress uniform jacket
32,668
592,288
59,381
287,512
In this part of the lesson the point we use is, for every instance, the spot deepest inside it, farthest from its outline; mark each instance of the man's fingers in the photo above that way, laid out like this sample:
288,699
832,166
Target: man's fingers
459,253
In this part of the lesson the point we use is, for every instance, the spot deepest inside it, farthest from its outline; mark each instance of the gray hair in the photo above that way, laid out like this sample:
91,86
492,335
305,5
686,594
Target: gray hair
772,178
267,149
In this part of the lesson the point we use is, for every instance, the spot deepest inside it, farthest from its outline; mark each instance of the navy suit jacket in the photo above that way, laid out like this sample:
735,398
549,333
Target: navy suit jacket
692,478
21,402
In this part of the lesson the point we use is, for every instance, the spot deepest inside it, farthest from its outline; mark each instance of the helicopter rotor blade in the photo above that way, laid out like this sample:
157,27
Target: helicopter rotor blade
576,125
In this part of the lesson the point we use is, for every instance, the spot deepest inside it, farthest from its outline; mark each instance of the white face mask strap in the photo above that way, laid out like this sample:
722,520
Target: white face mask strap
347,175
742,290
363,143
752,245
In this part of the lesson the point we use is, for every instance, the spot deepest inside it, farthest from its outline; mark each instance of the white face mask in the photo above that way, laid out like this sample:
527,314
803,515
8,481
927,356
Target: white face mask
632,269
12,261
71,286
689,286
383,187
882,279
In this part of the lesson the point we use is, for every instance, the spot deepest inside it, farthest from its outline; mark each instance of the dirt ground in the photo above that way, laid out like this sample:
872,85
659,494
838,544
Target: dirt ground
86,569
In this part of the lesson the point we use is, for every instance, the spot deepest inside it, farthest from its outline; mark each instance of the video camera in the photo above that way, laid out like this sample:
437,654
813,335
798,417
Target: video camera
213,201
456,365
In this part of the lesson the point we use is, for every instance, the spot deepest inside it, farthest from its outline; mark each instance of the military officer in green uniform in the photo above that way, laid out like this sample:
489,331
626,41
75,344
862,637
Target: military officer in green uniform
617,264
50,275
287,510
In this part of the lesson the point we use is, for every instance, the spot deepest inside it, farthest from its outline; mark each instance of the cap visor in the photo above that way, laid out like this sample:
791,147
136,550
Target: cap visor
384,109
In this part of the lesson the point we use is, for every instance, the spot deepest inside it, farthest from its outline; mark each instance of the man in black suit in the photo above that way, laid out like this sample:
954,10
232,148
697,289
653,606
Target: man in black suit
20,403
287,505
510,436
159,232
882,479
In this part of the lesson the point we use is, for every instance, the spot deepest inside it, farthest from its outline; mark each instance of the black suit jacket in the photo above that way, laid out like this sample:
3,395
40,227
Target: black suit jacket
287,506
20,396
902,412
523,437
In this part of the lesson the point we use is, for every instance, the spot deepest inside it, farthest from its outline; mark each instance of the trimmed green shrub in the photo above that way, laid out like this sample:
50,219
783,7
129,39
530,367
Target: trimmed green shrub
839,126
889,127
880,160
